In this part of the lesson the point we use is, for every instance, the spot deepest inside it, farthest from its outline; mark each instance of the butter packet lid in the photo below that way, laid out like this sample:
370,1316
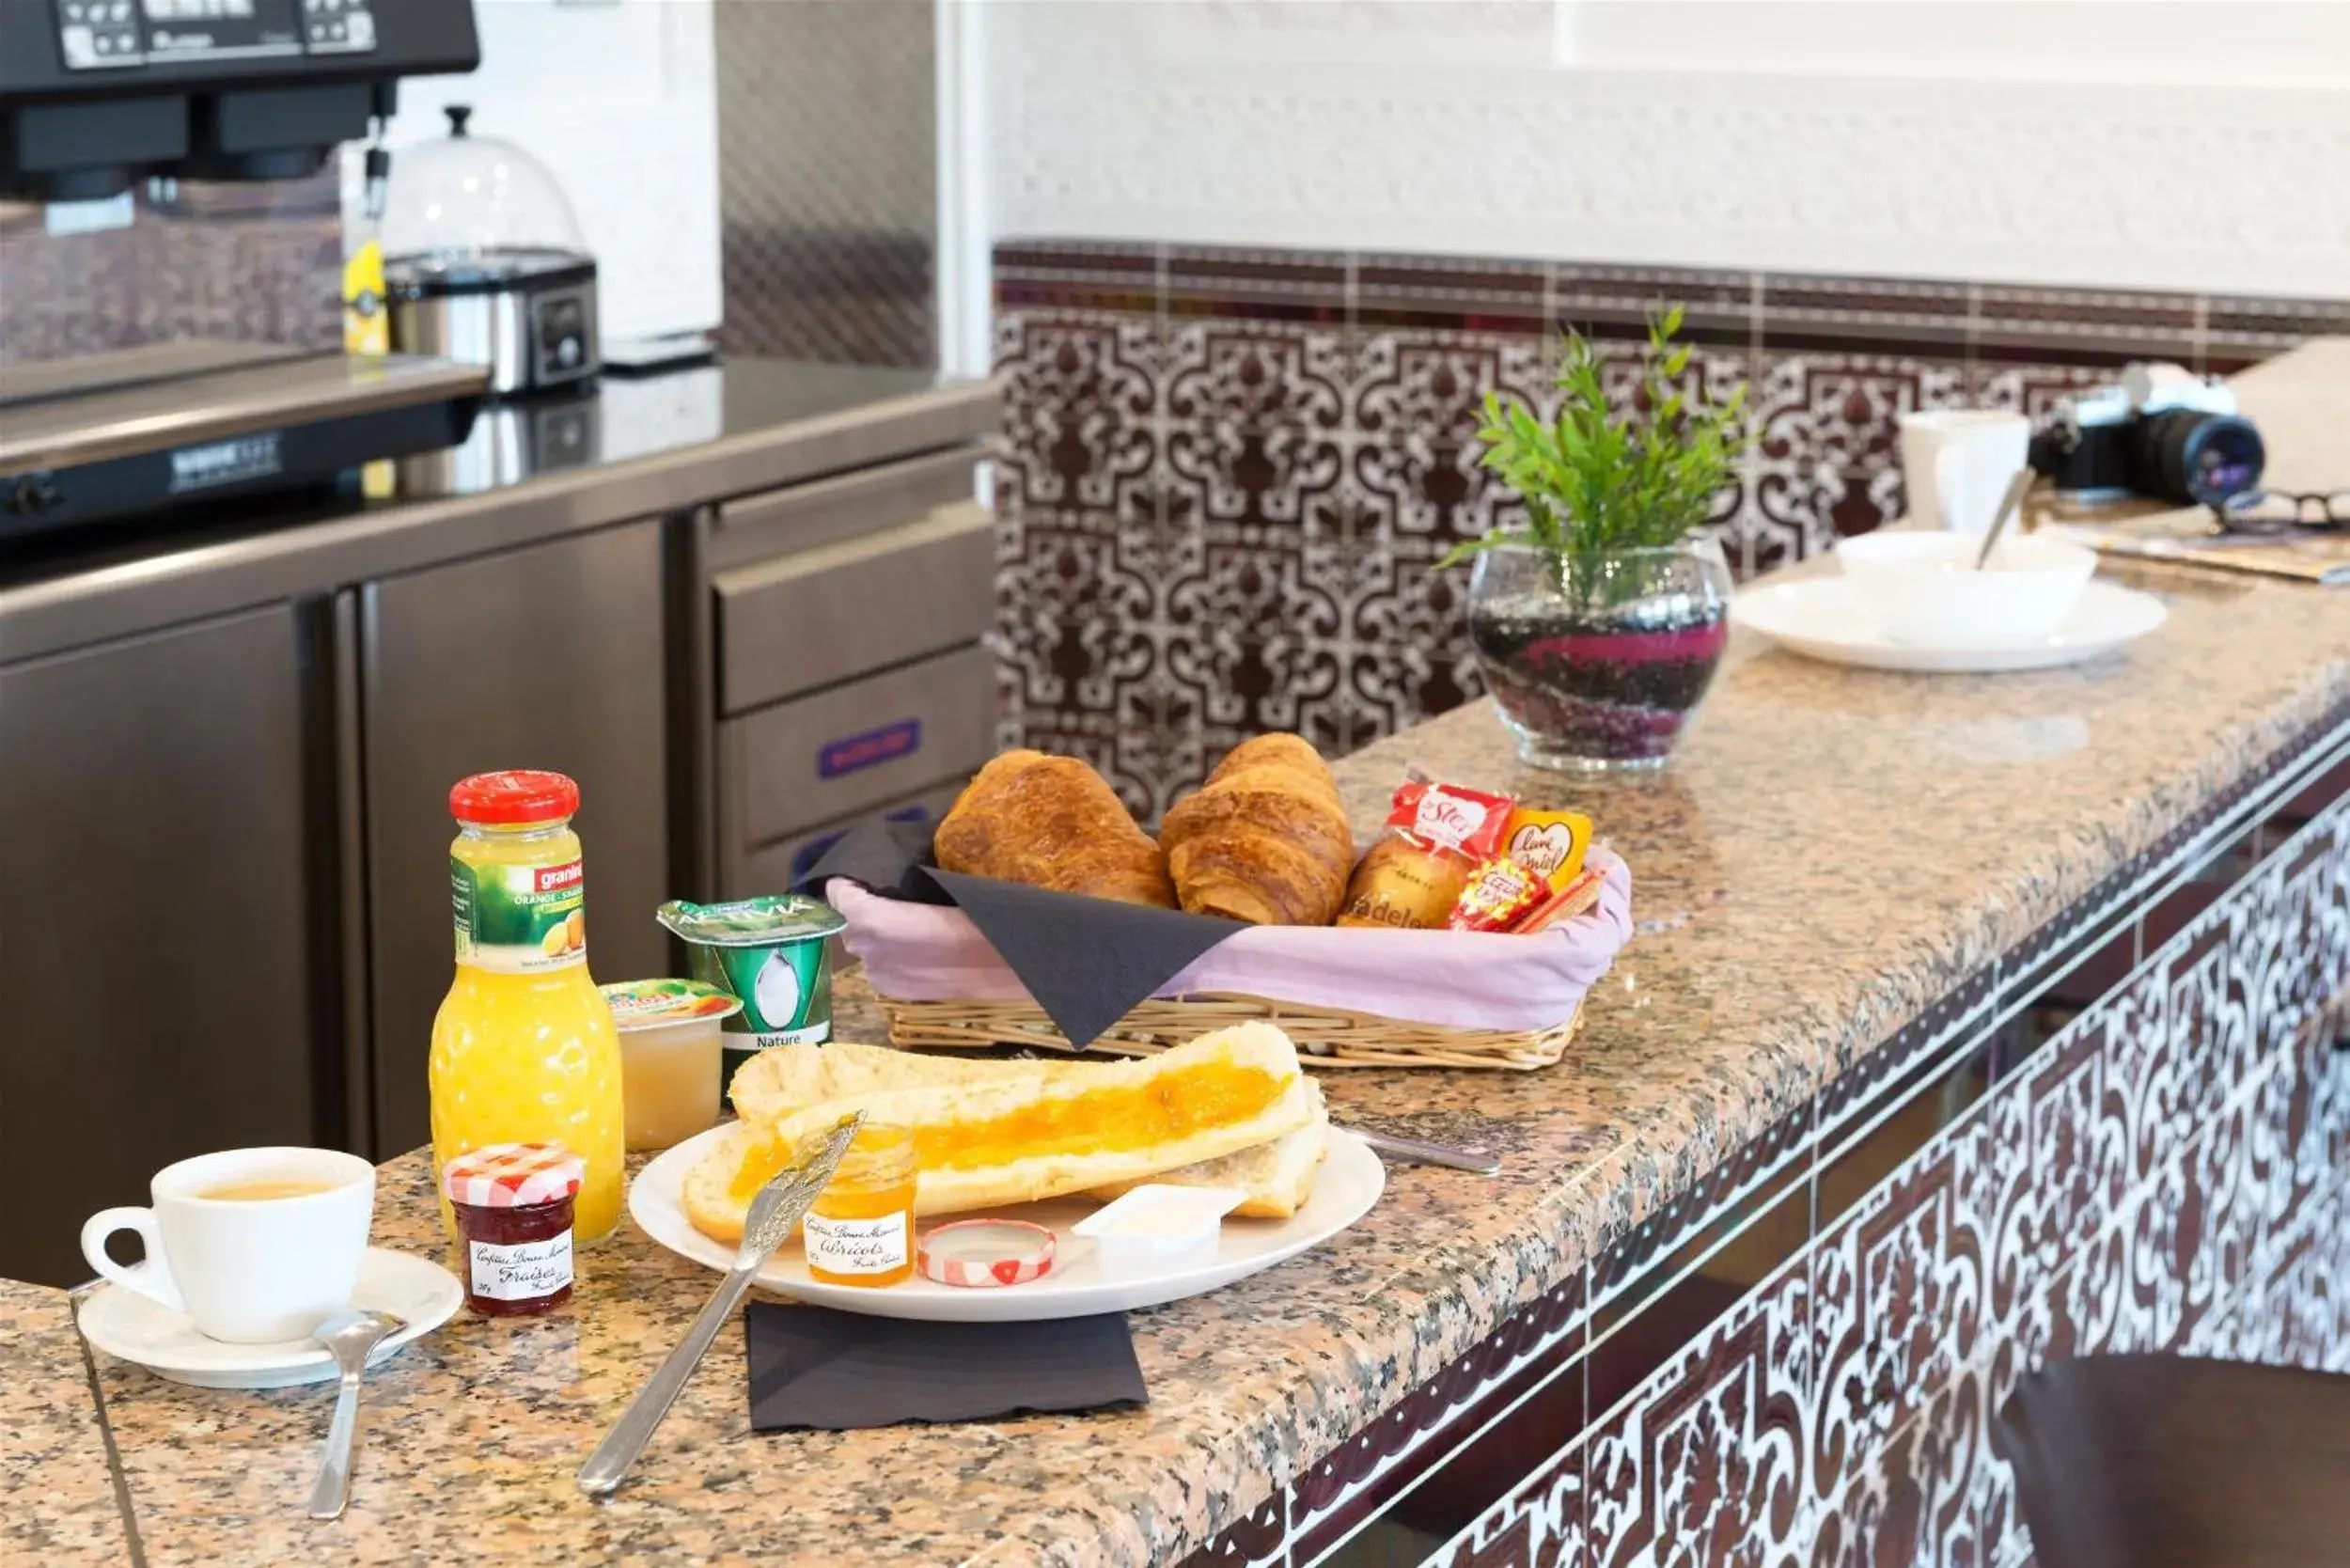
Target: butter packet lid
1551,844
751,922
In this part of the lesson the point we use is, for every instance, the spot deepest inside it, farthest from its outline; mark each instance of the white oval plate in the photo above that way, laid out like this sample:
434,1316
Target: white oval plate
1827,617
1347,1186
126,1324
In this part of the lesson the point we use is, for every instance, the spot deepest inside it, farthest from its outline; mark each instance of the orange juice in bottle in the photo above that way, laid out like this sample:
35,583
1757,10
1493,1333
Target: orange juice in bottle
523,1048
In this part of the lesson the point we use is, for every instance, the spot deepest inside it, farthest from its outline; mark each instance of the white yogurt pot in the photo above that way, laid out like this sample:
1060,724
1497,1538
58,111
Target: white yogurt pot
1929,593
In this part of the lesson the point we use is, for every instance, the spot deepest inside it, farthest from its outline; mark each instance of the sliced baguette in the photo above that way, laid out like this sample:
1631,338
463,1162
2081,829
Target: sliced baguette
708,1197
784,1079
1067,1127
1277,1175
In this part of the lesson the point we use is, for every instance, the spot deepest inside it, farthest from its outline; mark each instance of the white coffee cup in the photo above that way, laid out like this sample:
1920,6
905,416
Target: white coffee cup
246,1270
1957,464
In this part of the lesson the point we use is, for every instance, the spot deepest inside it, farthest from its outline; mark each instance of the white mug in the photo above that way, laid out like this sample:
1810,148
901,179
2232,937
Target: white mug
1957,464
246,1270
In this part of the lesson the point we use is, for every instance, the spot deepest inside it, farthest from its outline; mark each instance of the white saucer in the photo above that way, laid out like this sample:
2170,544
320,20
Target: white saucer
124,1324
1077,1285
1828,618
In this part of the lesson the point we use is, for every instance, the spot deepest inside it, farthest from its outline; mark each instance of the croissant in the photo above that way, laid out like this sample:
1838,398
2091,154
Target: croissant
1265,839
1051,822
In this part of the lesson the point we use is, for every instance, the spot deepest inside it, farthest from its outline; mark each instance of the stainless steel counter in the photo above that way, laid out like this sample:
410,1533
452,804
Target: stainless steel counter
661,444
229,733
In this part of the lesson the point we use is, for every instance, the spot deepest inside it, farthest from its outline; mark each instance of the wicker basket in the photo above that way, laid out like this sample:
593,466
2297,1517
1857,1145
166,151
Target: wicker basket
1325,1037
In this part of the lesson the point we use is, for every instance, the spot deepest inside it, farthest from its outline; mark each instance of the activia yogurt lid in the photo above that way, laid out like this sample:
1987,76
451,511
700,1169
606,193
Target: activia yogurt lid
751,922
649,1003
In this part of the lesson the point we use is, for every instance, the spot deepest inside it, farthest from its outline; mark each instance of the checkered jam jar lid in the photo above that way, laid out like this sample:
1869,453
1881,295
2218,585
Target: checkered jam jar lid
512,1175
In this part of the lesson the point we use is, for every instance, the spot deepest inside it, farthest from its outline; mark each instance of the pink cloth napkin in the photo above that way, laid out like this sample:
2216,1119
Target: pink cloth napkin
928,952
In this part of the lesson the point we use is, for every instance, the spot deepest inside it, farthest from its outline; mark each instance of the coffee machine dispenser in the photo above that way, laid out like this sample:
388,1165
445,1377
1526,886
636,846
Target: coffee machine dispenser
97,95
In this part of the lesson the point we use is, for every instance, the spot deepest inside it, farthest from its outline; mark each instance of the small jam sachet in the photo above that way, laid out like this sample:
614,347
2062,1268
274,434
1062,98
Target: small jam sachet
1499,892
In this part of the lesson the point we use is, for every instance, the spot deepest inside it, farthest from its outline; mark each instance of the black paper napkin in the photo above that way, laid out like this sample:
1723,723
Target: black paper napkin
1086,961
837,1372
890,857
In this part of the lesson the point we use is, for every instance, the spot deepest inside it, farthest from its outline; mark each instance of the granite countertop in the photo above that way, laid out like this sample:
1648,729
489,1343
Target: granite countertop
61,1504
1832,853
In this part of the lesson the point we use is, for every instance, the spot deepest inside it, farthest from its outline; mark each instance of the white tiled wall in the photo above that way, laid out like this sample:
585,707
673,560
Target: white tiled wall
2200,147
619,98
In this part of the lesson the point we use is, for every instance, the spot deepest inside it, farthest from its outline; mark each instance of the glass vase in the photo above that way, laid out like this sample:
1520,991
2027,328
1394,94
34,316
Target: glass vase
1597,659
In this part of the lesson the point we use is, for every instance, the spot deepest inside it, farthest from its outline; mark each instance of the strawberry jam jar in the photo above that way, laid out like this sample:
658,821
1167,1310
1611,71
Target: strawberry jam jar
514,1204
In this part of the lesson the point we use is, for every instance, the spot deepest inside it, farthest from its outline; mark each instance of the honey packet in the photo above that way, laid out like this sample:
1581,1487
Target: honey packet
1436,834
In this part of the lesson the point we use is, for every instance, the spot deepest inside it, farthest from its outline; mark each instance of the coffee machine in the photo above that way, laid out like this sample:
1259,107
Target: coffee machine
100,96
97,95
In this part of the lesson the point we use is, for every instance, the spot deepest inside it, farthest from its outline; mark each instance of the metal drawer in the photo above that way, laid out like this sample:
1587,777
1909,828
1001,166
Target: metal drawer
847,749
774,867
751,529
809,620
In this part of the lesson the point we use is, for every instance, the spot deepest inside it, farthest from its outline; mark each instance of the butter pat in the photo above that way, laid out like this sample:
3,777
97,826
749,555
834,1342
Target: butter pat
1157,1225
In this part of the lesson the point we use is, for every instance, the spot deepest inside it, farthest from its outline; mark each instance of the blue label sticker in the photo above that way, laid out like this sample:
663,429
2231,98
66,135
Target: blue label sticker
870,749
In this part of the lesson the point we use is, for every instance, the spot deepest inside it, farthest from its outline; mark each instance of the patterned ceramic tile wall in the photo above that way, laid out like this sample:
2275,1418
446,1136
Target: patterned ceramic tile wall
1230,473
2168,1171
260,262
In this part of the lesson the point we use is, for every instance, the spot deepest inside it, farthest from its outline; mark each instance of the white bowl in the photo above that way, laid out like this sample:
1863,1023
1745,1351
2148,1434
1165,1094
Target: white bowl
1930,594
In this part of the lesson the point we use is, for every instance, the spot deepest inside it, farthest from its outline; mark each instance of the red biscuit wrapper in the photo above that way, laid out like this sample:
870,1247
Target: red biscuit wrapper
1499,893
1569,902
1467,823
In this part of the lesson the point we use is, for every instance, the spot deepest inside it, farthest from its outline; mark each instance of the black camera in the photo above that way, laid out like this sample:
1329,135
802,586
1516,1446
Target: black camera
2161,432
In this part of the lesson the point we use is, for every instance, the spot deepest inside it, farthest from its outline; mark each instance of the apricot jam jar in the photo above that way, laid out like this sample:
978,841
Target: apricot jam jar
512,1203
860,1228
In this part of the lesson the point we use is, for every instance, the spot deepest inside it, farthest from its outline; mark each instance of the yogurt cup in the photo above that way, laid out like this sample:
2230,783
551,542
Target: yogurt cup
670,1059
771,953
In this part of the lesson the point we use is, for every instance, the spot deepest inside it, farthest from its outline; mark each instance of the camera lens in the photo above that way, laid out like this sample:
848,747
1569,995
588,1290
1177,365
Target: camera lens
2193,458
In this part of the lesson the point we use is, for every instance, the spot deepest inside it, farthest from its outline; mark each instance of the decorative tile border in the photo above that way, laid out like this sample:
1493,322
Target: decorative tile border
2170,1169
1287,438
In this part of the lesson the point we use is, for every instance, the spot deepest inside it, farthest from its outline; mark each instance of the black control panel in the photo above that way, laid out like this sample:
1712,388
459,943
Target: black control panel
109,35
96,95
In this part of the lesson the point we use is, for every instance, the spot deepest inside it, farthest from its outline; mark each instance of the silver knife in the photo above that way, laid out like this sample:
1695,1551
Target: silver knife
1426,1154
776,1208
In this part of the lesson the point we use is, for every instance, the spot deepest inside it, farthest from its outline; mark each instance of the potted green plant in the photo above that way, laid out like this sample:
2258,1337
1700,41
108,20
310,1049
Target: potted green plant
1598,624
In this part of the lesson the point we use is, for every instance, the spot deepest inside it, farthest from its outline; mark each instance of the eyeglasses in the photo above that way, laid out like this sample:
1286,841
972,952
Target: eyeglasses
2267,512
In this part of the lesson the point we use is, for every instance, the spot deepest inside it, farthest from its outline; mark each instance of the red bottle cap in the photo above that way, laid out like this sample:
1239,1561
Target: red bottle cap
513,796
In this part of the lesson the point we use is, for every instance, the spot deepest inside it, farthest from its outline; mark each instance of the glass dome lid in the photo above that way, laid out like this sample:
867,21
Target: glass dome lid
476,210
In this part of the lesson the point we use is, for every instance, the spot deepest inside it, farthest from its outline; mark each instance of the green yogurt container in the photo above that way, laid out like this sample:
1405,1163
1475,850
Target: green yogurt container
770,953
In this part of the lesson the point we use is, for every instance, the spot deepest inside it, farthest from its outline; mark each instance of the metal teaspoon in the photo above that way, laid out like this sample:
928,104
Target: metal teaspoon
349,1336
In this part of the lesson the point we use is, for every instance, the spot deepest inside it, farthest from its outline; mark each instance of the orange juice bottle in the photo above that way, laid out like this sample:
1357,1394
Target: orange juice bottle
523,1047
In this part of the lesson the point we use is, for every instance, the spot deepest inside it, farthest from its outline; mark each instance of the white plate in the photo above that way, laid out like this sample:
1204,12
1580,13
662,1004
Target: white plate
1347,1185
1828,618
124,1324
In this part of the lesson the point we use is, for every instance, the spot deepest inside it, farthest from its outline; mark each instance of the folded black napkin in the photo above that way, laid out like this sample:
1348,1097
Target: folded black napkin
1086,961
837,1372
